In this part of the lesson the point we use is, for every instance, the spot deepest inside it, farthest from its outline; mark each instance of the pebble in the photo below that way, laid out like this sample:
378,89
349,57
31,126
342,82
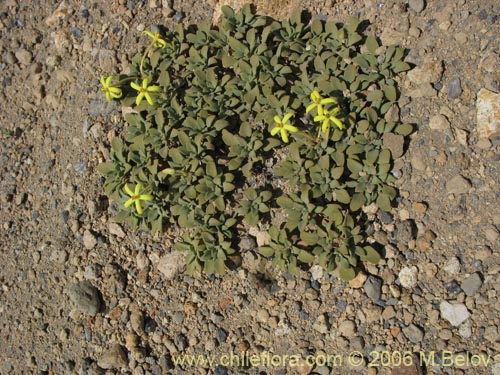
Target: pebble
316,272
92,272
458,185
439,122
471,284
89,240
85,297
413,333
426,73
488,113
24,57
465,329
452,266
178,16
454,88
406,231
408,277
220,335
171,264
116,230
262,316
395,143
417,5
347,329
113,358
491,234
137,321
358,281
456,314
373,287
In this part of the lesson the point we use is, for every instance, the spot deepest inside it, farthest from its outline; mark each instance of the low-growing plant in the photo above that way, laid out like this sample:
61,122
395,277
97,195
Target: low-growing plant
297,104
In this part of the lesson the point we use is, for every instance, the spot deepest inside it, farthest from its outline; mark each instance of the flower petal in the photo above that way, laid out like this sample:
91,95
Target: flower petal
287,117
108,94
145,83
103,82
324,127
138,189
277,119
146,197
139,98
315,97
148,98
148,33
291,128
319,118
138,207
275,130
284,135
310,107
128,190
337,122
135,86
328,100
154,88
128,203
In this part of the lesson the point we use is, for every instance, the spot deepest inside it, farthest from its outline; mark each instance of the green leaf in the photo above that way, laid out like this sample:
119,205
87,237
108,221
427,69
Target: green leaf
342,196
310,238
371,44
372,255
266,251
357,201
352,24
305,257
347,274
404,129
106,167
384,202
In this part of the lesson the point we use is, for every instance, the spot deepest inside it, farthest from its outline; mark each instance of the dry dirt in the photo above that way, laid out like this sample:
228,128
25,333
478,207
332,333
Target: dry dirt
134,316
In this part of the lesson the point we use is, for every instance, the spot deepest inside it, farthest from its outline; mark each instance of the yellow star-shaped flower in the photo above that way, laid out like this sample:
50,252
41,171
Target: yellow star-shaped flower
282,126
145,91
136,197
108,90
319,102
158,41
327,117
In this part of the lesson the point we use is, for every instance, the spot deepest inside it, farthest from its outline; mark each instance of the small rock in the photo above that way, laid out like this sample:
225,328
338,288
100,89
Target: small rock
472,284
458,185
24,57
491,234
417,161
417,5
439,122
428,72
373,287
488,113
413,368
454,88
465,329
425,90
406,231
89,240
358,281
113,358
137,321
395,143
413,333
452,267
316,272
408,277
171,264
455,314
178,16
262,316
347,329
85,297
490,63
220,335
116,230
247,243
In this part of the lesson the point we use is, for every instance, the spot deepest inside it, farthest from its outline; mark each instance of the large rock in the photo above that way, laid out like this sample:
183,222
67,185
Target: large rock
455,314
488,113
85,297
171,264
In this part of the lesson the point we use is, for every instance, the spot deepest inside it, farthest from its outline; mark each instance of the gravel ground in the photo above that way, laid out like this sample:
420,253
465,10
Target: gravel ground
83,295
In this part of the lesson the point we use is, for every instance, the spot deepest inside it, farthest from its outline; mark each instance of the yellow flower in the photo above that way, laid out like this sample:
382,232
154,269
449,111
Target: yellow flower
158,41
319,102
282,126
136,197
108,90
327,117
145,91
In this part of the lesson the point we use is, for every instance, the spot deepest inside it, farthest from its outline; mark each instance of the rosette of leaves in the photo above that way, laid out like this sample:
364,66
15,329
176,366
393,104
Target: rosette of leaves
254,204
